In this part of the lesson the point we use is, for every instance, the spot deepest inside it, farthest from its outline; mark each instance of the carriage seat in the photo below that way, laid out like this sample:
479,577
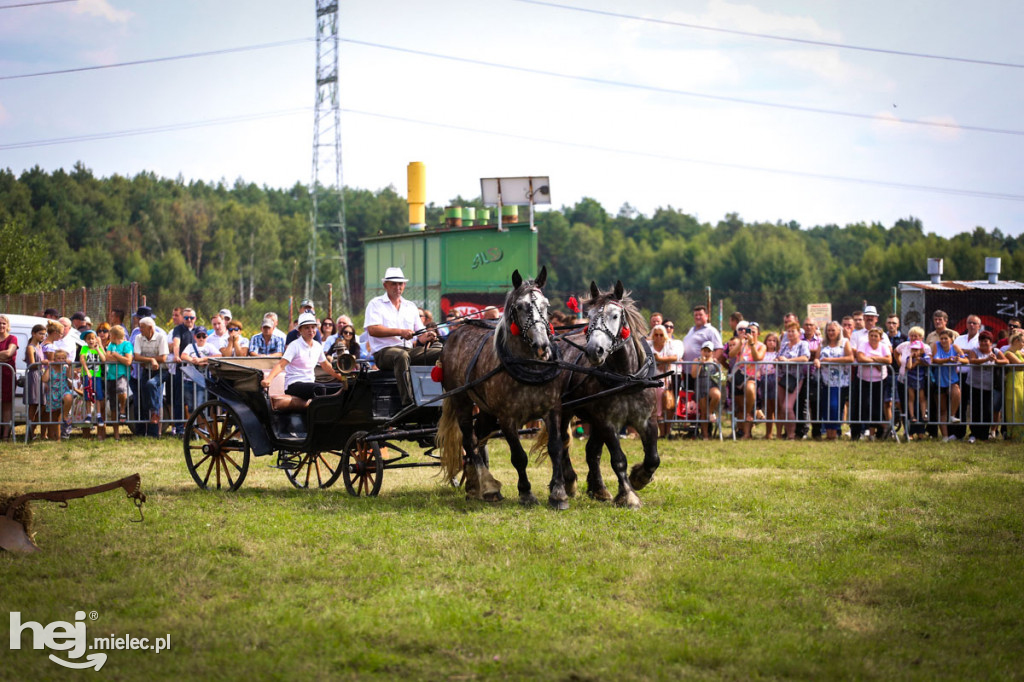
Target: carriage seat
288,403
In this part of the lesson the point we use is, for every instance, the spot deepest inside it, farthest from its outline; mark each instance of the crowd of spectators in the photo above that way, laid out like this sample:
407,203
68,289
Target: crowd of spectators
808,383
853,378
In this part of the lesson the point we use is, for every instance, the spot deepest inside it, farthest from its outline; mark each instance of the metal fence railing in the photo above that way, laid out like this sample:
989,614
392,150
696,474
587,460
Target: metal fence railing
858,400
784,399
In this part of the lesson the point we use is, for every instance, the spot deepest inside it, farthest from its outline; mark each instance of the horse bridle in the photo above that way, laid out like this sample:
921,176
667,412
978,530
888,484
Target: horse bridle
536,317
598,324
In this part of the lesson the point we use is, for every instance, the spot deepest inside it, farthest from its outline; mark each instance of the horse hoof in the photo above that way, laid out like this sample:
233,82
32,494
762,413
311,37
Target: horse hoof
560,505
493,497
570,489
601,495
528,500
629,501
639,478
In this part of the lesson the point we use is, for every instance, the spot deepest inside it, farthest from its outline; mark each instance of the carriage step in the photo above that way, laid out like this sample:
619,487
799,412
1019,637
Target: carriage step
287,462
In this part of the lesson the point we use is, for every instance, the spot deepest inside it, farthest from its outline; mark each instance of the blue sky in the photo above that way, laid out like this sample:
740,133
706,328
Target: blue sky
649,144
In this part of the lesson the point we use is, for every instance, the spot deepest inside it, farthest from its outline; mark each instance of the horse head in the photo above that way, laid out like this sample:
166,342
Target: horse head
526,314
609,322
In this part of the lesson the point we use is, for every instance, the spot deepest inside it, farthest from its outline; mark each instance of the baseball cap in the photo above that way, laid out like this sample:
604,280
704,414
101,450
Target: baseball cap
267,322
200,331
916,344
306,302
224,312
754,324
307,318
743,324
144,311
85,333
708,344
78,315
871,310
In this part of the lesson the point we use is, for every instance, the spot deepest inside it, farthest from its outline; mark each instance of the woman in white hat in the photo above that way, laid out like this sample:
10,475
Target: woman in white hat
300,359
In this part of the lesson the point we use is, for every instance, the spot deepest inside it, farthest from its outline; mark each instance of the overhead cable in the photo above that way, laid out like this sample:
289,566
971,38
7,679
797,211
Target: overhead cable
688,93
190,55
38,2
1003,196
769,36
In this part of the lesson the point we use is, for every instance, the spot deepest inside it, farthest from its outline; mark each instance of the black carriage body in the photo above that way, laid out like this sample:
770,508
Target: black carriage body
367,403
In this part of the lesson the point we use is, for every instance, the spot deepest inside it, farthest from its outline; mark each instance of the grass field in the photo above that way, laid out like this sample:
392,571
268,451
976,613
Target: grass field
749,560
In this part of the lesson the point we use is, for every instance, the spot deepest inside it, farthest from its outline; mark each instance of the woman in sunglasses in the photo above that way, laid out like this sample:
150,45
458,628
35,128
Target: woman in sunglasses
345,342
237,345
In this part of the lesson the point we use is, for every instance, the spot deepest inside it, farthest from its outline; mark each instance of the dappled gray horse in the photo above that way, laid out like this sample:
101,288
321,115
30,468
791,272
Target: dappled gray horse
511,379
615,342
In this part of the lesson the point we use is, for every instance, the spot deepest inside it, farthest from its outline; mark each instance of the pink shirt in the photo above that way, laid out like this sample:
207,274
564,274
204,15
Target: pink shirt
873,372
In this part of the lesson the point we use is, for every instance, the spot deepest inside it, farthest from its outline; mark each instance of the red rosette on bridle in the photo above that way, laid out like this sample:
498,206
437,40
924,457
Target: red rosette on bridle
573,305
437,374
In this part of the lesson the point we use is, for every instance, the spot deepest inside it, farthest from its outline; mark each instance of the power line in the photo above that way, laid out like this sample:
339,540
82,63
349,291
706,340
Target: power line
721,164
689,93
768,36
1003,196
33,4
190,55
154,129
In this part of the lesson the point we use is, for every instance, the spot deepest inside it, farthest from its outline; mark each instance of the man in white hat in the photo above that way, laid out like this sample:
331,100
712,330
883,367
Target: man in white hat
393,325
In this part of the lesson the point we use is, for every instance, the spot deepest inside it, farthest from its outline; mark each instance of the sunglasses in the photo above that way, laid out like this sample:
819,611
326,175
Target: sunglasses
670,326
347,334
234,329
103,331
200,336
186,317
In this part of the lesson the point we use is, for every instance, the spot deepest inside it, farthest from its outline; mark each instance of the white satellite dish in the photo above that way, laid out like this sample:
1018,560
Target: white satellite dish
519,191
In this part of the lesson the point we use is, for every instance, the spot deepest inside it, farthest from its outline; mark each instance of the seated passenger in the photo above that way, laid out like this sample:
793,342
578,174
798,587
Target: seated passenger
299,361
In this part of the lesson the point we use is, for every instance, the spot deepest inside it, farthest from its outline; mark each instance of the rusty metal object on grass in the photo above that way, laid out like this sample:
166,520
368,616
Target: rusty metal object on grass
14,519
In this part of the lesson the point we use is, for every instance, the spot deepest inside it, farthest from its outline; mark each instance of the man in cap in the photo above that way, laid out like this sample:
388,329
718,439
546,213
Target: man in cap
393,325
78,320
266,343
305,307
178,340
225,315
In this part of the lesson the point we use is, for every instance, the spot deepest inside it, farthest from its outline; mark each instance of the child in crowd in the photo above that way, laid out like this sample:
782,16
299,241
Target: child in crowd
120,354
59,395
92,358
945,357
196,357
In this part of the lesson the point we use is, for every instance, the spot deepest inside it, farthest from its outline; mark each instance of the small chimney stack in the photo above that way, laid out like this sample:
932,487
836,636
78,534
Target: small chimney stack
993,266
935,270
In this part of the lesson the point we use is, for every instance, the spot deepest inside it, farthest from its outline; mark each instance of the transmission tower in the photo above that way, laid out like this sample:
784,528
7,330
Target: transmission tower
327,176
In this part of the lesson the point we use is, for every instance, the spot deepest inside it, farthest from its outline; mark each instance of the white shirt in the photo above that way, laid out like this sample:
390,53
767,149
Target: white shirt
192,372
302,360
965,345
216,341
381,311
860,336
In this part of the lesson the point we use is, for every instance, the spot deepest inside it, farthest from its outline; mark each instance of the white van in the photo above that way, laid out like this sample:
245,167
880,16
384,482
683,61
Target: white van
21,327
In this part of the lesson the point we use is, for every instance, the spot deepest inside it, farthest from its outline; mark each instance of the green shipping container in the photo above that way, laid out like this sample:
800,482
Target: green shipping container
465,268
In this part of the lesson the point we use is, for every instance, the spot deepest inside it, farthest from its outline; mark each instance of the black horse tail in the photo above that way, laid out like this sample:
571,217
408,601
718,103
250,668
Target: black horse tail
449,441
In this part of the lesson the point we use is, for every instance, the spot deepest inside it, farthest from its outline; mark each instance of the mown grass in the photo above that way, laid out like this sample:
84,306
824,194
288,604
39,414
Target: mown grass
748,561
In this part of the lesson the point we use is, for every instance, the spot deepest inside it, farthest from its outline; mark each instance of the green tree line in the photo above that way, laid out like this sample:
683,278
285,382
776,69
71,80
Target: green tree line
247,247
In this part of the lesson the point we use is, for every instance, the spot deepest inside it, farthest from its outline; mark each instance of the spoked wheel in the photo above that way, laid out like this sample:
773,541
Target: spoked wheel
316,469
362,466
216,448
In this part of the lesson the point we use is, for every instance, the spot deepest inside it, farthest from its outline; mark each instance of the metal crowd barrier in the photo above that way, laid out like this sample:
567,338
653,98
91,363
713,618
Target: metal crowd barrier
8,387
156,400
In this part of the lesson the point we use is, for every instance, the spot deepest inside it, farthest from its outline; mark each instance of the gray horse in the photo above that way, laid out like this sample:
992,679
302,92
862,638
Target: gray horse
614,341
510,377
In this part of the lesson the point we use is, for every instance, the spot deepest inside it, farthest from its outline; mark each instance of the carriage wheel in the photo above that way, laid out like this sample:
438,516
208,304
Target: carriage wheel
216,448
362,466
316,469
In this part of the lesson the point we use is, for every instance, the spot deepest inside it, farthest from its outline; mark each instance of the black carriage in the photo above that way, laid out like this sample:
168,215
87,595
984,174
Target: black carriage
354,432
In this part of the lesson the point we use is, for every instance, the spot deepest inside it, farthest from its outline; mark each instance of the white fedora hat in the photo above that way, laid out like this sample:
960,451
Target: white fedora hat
394,275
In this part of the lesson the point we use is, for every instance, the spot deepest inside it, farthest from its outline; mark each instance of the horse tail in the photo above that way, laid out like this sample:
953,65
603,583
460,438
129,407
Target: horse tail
449,441
539,449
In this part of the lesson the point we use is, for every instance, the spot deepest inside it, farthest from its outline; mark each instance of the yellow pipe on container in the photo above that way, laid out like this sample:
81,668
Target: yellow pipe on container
417,180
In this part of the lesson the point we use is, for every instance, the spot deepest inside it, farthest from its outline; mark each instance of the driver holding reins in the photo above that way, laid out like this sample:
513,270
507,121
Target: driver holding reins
396,335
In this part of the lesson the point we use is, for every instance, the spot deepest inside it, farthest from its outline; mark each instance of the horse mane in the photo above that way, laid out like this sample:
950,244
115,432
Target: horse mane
634,319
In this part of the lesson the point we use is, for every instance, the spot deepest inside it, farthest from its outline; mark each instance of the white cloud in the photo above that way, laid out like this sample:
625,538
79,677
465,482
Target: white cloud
102,9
